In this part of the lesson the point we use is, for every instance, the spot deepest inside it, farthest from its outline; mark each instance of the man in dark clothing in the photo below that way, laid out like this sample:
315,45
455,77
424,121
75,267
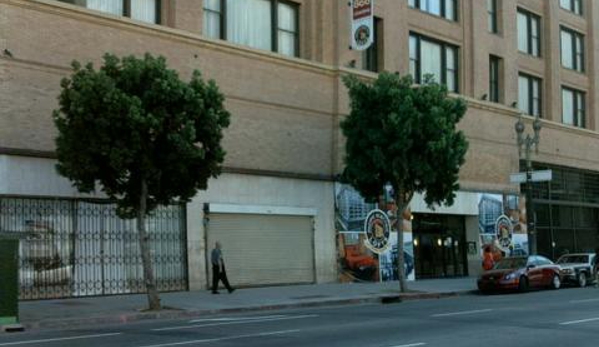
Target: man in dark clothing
218,269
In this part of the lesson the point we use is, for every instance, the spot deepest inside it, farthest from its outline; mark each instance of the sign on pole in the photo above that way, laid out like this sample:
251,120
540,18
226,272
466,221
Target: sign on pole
535,176
362,24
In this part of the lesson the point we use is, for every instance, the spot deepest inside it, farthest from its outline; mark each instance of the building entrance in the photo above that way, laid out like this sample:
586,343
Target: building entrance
439,246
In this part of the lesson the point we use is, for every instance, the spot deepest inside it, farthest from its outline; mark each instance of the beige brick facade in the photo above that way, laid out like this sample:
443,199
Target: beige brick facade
286,110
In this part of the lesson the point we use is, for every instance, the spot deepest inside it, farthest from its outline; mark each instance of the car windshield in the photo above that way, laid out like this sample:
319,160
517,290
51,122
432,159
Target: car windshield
510,263
573,259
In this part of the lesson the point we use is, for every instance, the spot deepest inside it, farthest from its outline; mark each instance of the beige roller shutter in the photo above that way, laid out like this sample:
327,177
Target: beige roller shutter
264,249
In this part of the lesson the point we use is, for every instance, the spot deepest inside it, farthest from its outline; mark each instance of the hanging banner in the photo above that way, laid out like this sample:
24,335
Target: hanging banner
362,24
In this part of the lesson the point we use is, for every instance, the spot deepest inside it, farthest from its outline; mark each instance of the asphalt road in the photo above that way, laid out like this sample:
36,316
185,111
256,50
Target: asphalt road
567,317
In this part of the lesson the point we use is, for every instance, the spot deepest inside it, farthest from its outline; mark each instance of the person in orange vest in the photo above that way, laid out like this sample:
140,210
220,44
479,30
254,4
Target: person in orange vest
488,259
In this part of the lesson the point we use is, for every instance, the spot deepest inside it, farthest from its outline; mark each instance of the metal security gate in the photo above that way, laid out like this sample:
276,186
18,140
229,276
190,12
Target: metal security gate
261,249
72,248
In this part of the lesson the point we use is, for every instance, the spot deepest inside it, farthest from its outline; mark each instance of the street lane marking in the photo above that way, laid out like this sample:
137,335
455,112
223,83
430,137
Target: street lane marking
235,322
582,301
81,337
272,333
232,319
412,345
461,313
579,321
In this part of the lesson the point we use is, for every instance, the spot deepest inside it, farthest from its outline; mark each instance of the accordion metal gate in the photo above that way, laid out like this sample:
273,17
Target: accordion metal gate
75,248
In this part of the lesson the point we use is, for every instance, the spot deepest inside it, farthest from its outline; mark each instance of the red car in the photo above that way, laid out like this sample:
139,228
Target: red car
521,273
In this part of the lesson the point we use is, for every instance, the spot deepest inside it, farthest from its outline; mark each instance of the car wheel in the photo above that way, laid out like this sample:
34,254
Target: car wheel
523,284
556,282
582,279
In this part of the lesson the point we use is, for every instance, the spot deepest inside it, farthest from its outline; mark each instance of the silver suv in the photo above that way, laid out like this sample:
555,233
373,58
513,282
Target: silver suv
577,268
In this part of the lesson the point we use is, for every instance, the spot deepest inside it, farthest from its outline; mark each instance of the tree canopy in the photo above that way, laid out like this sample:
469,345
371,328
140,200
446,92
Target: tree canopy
134,119
405,136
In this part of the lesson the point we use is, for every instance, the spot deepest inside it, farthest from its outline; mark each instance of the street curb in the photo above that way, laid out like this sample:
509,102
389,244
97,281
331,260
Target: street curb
124,318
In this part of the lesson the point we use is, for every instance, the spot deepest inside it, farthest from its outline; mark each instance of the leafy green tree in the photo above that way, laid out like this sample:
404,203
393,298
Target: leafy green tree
405,136
144,137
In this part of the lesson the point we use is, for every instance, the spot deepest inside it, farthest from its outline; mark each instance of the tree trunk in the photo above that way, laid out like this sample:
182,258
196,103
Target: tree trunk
401,201
144,244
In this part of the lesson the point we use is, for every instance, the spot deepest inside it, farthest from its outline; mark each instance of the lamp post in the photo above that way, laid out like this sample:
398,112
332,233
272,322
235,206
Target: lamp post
525,144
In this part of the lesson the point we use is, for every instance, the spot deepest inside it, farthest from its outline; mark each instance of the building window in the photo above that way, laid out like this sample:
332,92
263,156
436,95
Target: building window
494,78
529,33
371,56
213,18
574,6
529,95
493,17
442,8
573,107
142,10
572,50
264,24
436,58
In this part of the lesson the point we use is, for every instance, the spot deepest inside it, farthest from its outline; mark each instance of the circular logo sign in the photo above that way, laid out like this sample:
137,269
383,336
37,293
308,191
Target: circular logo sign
504,231
362,35
377,228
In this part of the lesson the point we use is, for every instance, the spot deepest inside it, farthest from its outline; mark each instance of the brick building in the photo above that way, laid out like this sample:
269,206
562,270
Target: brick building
279,64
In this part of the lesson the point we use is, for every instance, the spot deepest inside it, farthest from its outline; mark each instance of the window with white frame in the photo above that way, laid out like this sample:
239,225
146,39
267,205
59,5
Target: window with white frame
437,58
442,8
264,24
573,107
142,10
574,6
572,49
529,94
529,33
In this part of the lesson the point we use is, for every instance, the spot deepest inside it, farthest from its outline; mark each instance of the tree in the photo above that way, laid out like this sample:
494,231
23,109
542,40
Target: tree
146,137
405,136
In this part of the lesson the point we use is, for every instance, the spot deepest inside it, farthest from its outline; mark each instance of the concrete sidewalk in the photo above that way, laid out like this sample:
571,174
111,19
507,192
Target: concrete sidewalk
68,313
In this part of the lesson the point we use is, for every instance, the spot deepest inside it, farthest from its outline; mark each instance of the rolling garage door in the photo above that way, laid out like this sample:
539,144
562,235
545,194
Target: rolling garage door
263,249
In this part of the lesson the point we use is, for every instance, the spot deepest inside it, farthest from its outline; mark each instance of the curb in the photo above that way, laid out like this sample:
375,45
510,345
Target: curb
124,318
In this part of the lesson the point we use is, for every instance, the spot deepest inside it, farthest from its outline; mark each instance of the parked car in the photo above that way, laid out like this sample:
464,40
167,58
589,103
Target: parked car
577,268
521,273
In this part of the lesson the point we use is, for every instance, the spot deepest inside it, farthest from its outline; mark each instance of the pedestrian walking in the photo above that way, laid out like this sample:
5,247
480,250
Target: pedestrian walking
218,269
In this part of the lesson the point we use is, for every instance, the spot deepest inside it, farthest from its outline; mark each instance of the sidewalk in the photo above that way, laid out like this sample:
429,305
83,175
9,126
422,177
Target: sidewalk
68,313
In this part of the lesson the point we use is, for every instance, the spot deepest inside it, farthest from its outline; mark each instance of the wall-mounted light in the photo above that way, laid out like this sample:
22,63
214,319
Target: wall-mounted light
439,242
415,242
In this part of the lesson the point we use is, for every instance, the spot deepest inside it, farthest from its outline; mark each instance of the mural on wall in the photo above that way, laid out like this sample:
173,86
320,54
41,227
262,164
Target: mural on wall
502,225
367,238
46,256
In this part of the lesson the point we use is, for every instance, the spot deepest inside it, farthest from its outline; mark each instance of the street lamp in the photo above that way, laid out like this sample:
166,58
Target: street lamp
524,148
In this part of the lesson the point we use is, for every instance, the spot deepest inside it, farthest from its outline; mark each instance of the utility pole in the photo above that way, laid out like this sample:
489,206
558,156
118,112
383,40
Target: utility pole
525,144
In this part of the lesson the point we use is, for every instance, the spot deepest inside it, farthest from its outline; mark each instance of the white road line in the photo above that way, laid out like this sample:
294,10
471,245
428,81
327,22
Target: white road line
582,301
281,332
461,313
236,322
579,321
412,345
234,319
81,337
